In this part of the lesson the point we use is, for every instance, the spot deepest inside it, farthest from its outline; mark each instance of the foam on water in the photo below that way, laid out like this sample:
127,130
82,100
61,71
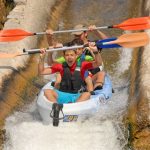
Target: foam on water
124,62
25,131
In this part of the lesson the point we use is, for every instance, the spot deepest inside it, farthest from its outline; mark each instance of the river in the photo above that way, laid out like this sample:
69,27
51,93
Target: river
105,130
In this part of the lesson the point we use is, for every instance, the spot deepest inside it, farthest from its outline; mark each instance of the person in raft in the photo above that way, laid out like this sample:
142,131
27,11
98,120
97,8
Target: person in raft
71,79
84,54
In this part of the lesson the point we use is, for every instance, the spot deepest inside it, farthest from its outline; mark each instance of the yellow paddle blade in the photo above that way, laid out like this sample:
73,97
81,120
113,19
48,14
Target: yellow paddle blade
131,40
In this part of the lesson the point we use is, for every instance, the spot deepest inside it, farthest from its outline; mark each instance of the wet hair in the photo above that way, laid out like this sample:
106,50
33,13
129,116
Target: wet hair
69,50
74,43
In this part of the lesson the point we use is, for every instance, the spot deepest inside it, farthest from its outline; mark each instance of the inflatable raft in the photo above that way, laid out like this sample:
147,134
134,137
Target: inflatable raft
53,113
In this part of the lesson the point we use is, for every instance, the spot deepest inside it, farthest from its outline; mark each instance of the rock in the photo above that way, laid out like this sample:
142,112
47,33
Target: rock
142,140
143,133
2,137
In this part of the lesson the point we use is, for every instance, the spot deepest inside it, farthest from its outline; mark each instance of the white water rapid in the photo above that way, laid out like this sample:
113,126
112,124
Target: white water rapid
103,131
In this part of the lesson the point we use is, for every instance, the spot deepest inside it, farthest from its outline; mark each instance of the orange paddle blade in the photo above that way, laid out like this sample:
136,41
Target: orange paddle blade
136,27
134,24
11,38
132,40
14,32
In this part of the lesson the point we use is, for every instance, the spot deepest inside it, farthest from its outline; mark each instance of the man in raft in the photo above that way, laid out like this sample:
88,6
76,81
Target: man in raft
80,38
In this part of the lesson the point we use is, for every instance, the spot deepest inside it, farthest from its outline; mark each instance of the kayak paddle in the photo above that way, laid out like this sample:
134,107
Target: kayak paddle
34,51
130,24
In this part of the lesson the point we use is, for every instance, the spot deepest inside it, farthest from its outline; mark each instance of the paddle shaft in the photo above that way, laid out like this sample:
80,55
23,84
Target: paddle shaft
32,51
74,30
41,33
62,48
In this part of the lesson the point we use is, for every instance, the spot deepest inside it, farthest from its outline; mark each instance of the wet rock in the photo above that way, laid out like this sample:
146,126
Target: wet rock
143,133
142,140
2,137
139,107
17,12
2,14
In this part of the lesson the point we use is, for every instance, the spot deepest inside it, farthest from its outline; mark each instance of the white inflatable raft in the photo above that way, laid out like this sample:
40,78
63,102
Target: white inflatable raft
73,111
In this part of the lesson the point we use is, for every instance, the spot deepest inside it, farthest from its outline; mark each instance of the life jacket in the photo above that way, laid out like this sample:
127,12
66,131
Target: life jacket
93,71
80,60
87,52
71,83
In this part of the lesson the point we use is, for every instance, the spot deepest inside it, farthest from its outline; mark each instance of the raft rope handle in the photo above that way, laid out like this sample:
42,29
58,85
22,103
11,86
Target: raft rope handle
57,118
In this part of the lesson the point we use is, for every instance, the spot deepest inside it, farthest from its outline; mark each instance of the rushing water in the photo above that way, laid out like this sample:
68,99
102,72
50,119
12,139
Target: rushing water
103,131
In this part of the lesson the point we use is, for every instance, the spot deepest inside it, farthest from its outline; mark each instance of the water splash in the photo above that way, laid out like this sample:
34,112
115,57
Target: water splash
125,60
25,131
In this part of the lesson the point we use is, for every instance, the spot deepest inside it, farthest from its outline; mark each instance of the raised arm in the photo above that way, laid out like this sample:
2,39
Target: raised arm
97,56
98,33
52,42
50,37
41,69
